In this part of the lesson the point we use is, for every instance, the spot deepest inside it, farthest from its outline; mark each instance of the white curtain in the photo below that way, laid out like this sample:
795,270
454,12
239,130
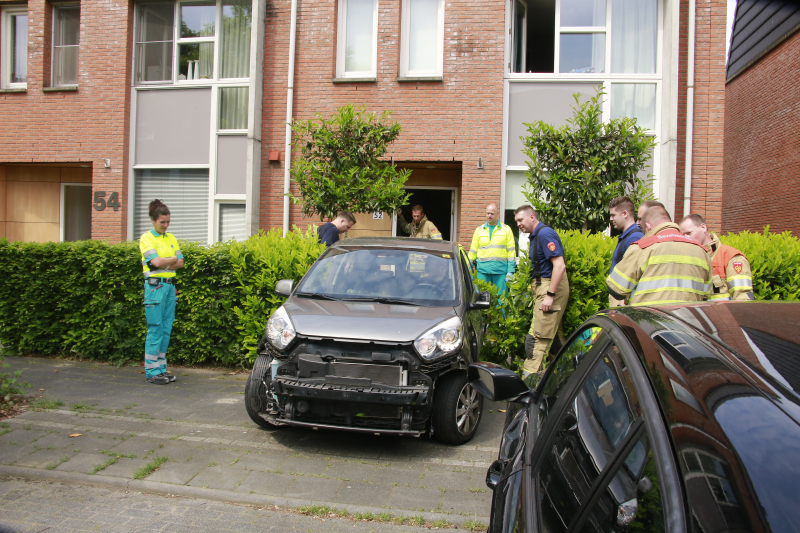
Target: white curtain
636,100
633,36
423,35
233,108
235,52
359,39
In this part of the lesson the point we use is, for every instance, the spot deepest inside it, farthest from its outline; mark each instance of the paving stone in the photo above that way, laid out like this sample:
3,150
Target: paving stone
45,458
10,454
475,455
353,471
266,461
367,494
124,468
84,443
409,476
21,436
179,451
83,462
465,502
305,465
141,446
215,457
265,483
444,479
313,488
414,499
214,477
177,473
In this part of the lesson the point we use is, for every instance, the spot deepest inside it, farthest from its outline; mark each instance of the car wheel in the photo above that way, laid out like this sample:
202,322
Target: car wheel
457,409
255,393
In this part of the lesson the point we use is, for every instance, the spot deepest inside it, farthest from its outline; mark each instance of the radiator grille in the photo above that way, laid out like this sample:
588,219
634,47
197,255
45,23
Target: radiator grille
388,374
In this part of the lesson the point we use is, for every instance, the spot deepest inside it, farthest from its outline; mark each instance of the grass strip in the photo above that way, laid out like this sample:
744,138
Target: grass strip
42,404
149,468
324,511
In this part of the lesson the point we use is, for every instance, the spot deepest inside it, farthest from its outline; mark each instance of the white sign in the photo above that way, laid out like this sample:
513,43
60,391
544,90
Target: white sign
377,215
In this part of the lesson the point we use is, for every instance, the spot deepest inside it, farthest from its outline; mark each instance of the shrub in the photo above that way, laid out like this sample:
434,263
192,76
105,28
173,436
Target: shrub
10,387
774,260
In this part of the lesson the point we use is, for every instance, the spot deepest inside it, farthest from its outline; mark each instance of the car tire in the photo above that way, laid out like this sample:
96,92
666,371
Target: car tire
255,392
455,395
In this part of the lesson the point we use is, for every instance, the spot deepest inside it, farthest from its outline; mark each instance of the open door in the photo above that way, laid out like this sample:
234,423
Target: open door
439,205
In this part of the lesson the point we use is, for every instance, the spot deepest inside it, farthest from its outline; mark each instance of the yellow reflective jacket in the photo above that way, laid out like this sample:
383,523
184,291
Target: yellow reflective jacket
663,267
424,230
494,252
732,277
153,245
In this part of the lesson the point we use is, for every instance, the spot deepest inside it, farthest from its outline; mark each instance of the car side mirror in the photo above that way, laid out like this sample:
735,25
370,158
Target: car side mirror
497,383
284,287
483,300
626,512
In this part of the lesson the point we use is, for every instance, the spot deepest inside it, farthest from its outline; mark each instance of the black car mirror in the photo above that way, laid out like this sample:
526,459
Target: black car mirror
626,513
497,383
494,474
284,287
483,300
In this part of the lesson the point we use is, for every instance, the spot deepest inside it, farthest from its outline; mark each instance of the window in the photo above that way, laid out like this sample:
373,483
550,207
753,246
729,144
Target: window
232,222
422,38
14,60
66,30
357,39
154,42
185,191
76,211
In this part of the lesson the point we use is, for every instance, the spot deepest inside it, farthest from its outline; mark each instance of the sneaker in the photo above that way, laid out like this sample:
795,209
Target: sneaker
170,376
160,379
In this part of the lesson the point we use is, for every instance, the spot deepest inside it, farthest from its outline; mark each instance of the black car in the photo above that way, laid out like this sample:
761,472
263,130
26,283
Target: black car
681,418
376,338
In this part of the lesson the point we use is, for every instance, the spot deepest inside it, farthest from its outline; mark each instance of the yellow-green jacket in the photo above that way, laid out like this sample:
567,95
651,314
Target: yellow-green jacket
493,249
424,230
153,245
732,277
663,267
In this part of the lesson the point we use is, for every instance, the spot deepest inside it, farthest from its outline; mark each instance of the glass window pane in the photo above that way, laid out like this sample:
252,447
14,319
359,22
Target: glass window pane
583,12
66,26
154,39
423,35
582,53
198,18
19,56
635,100
359,38
196,61
232,223
65,65
77,213
155,22
235,52
633,36
233,108
154,61
185,191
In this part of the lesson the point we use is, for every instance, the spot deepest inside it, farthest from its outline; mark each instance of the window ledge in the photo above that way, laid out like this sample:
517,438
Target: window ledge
354,80
71,88
403,79
14,90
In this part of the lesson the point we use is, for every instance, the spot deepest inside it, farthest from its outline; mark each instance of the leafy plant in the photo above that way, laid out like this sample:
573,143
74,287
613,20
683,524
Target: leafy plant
339,166
10,386
575,171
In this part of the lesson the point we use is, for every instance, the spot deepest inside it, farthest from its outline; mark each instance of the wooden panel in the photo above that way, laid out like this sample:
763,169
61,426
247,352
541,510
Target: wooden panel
3,199
2,173
76,175
369,233
32,232
434,177
19,173
366,222
33,202
3,230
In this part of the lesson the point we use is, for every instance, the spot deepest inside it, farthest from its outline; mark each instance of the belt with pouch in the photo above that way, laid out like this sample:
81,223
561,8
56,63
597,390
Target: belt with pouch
156,281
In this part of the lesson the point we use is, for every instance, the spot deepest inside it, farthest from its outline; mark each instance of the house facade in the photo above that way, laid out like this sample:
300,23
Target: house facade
107,105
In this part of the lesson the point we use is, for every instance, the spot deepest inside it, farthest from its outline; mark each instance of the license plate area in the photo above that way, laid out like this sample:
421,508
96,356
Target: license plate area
386,374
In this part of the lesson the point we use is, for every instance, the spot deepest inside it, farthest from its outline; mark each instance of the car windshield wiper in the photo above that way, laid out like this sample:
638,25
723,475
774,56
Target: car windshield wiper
382,300
317,296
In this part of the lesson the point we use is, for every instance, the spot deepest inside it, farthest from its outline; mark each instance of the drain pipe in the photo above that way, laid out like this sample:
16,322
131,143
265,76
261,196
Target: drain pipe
289,104
687,180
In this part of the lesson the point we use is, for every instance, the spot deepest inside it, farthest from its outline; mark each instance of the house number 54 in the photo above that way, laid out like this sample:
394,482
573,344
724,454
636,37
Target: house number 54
101,203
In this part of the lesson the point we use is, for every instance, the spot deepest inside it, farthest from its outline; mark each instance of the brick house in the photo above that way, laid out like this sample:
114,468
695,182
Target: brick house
106,105
762,113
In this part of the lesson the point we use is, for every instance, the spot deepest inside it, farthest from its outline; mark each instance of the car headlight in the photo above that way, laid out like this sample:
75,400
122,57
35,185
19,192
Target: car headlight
280,330
442,339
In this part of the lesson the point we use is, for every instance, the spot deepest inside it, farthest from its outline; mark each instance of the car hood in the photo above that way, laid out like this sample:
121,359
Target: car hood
363,320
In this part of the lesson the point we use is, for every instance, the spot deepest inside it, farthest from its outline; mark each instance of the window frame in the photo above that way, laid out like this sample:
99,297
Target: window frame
56,9
137,28
405,43
62,217
7,47
219,201
341,44
178,41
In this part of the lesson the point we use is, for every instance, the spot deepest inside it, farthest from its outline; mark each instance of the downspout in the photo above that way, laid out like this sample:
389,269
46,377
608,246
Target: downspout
687,180
289,104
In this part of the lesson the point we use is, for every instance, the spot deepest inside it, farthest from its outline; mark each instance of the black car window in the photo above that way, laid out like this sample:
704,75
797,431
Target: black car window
593,431
467,276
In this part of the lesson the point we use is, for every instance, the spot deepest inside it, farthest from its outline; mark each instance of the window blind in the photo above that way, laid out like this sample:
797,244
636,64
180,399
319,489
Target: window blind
232,223
185,191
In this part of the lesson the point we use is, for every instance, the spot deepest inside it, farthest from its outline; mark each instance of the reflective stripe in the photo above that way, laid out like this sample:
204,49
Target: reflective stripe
158,274
436,236
675,259
740,282
677,283
150,252
151,361
621,280
472,251
723,297
495,246
487,259
659,302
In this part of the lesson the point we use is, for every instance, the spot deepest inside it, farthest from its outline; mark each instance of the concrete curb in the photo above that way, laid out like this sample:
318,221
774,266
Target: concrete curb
224,496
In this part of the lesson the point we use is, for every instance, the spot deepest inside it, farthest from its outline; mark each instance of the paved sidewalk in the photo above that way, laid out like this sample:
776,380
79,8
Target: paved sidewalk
214,451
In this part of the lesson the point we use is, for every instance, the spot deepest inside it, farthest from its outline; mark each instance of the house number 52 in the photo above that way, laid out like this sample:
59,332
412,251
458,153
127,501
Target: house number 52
101,203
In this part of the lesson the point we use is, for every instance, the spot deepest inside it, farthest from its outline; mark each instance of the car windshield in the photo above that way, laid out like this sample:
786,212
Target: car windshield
389,275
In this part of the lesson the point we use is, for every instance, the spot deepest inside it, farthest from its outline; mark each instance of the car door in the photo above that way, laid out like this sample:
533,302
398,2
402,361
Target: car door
473,317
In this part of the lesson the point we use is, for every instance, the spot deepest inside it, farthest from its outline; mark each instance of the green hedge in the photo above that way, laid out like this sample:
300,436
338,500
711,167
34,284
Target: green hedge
774,259
85,298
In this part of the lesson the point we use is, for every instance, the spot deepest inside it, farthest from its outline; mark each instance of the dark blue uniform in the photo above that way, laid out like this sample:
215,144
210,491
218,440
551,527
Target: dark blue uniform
549,245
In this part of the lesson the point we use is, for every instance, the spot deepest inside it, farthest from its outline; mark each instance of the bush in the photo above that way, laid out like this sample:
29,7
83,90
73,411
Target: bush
85,298
774,260
10,386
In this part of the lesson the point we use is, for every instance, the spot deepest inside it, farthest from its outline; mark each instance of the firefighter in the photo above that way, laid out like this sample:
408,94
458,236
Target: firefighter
493,250
643,209
420,227
663,267
732,277
550,288
161,257
621,211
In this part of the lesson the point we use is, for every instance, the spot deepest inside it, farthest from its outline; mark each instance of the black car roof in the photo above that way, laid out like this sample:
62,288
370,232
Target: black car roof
399,242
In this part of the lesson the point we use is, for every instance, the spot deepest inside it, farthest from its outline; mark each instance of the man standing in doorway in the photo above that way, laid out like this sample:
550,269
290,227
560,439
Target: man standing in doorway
621,210
420,227
330,231
493,250
550,287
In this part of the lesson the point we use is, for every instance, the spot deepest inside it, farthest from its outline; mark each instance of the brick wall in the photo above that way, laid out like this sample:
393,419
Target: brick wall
458,119
709,109
762,145
83,126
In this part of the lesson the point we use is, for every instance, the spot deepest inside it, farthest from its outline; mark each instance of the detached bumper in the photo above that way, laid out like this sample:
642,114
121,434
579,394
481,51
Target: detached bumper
373,394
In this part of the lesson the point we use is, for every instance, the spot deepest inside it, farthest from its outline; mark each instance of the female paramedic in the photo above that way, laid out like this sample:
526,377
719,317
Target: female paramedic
161,257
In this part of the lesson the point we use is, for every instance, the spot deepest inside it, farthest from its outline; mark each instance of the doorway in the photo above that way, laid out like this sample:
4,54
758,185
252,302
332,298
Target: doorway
439,204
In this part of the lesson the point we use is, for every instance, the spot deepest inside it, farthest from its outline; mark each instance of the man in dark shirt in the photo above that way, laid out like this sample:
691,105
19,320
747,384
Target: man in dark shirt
329,232
622,217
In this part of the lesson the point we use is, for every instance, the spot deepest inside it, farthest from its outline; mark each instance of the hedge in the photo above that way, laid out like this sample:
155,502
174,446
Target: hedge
774,260
85,299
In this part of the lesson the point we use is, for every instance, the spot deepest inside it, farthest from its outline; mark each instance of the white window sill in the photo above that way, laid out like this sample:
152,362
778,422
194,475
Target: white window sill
66,88
355,80
14,90
406,79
